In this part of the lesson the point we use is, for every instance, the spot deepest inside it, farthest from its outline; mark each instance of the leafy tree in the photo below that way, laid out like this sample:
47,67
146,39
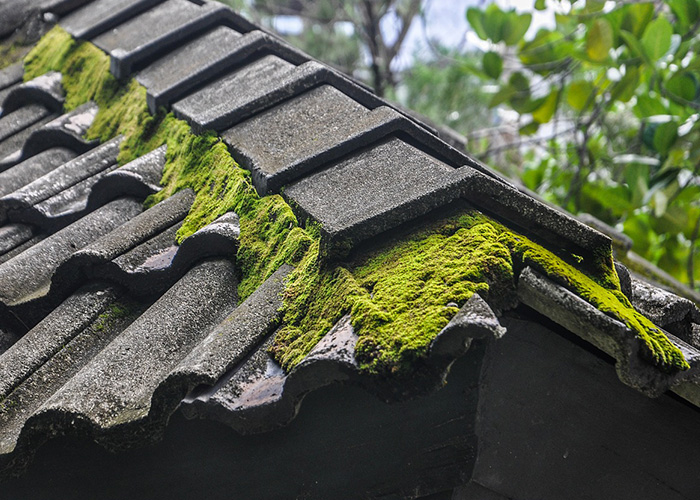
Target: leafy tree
608,104
344,32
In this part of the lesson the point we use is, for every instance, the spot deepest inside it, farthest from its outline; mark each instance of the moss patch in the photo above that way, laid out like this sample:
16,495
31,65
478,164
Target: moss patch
400,296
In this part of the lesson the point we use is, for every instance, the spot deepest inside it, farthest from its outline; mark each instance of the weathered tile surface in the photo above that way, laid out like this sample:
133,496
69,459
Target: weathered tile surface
155,30
377,189
234,96
101,15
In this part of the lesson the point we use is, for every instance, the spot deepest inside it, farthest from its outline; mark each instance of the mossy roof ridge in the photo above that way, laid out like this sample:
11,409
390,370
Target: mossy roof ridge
400,297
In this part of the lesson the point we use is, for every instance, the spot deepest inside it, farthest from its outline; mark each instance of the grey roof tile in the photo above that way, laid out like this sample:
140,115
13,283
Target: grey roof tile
48,337
98,327
297,130
11,148
67,130
28,275
281,82
217,51
101,15
240,333
230,96
16,121
155,30
374,190
13,235
45,89
31,169
57,181
117,386
11,75
606,333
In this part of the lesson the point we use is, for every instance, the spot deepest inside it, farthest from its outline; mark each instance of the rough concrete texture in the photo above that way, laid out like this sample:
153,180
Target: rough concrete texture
228,99
475,320
61,179
139,178
20,119
101,15
174,75
676,314
375,190
33,168
189,65
45,89
117,385
156,30
139,229
11,75
67,130
13,235
11,148
259,396
298,132
238,335
28,275
28,397
50,335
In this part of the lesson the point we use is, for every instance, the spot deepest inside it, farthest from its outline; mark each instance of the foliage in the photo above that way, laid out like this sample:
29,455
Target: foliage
360,37
607,101
446,91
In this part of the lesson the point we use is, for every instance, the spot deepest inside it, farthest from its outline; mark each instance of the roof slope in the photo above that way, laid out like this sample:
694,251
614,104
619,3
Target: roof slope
107,325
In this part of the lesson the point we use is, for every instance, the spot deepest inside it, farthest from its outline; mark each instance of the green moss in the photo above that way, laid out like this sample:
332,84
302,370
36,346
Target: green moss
113,313
400,296
604,293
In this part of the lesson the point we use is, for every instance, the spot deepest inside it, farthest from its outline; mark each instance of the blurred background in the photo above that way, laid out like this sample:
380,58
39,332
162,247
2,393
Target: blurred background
591,105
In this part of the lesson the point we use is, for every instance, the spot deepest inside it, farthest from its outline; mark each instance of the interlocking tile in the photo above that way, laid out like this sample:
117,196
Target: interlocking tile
199,61
387,184
156,30
100,15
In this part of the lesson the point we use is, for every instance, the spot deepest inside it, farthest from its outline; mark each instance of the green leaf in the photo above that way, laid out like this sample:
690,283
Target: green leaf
529,128
504,94
545,112
599,40
683,85
657,38
649,106
540,5
579,94
627,86
634,45
493,64
476,21
636,17
494,21
515,27
686,11
593,6
664,137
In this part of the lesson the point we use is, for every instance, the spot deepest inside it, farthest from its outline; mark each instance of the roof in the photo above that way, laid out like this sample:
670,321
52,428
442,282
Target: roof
108,325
